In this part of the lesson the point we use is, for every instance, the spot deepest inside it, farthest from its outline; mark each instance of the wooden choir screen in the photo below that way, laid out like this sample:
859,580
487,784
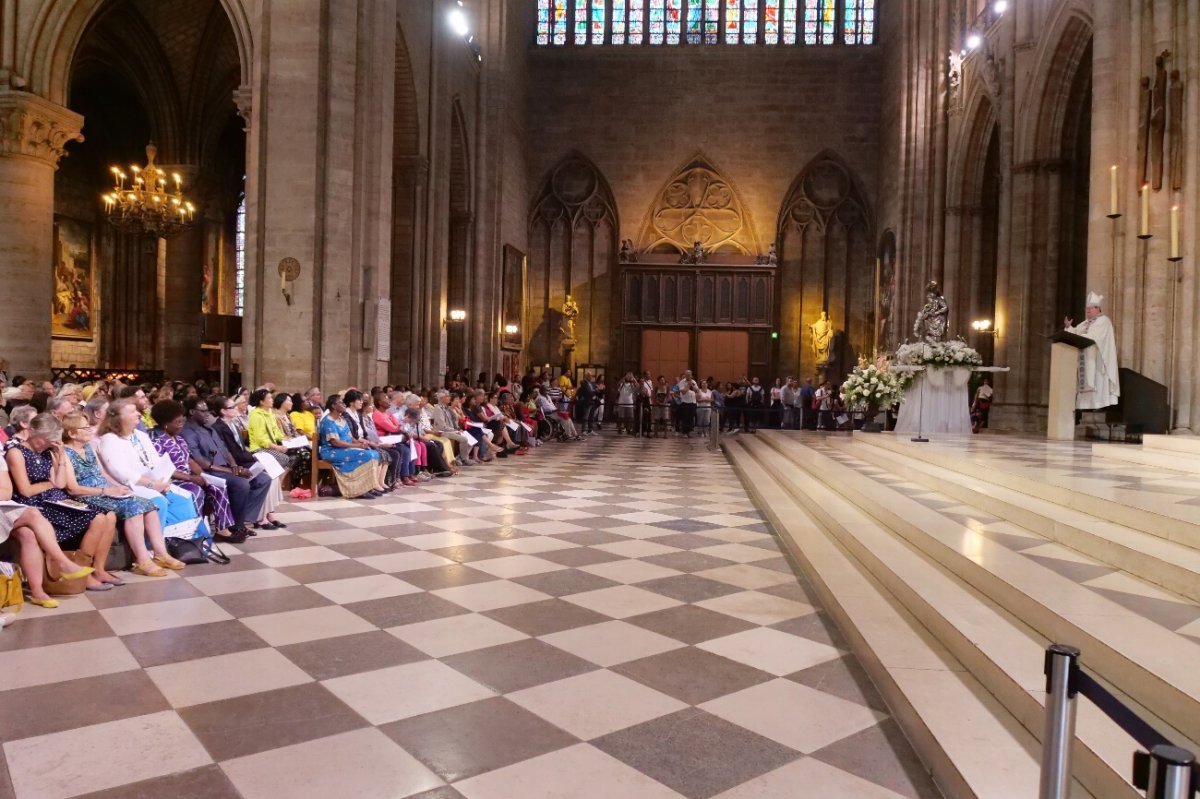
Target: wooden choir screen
665,352
723,354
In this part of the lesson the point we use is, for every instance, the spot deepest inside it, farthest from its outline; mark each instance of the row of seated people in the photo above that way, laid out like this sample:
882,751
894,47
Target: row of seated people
81,473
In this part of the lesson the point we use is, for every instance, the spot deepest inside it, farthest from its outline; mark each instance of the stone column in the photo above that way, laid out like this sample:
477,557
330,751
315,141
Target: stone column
33,137
180,333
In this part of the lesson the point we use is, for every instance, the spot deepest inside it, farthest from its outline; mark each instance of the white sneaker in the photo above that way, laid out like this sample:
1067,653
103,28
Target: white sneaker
6,619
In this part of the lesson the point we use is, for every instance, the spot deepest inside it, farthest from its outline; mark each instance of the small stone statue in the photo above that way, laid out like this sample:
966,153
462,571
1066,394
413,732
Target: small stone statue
694,256
933,319
822,339
770,259
628,256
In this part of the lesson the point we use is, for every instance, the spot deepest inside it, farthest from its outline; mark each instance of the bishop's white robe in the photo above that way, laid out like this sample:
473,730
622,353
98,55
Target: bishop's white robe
1099,382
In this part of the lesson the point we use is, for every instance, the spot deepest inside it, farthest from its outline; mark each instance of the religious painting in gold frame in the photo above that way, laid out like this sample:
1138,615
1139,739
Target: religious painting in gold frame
72,305
512,294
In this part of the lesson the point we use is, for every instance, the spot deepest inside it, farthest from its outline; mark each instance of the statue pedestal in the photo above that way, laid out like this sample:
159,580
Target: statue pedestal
937,402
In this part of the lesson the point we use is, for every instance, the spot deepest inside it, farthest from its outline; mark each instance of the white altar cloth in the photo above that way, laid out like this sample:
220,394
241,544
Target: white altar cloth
946,404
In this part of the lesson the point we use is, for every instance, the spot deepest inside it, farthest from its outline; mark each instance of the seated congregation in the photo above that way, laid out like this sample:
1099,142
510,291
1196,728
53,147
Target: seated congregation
106,477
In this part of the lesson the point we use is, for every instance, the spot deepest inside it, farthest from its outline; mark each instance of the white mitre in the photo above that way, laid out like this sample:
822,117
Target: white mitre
1095,300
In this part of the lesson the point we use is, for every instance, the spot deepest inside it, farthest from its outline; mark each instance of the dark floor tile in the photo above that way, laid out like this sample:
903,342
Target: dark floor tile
268,720
780,564
690,624
687,526
481,736
330,570
365,549
796,592
695,753
882,755
1171,615
357,511
545,617
581,556
78,703
445,792
505,532
688,561
276,543
564,582
689,587
190,643
6,786
692,675
142,592
270,600
469,553
432,579
815,627
522,664
844,678
237,563
399,531
316,526
50,630
327,658
394,611
1077,572
590,538
208,782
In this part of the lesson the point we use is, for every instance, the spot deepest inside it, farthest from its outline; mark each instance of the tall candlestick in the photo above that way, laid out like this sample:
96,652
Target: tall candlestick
1145,228
1112,205
1175,231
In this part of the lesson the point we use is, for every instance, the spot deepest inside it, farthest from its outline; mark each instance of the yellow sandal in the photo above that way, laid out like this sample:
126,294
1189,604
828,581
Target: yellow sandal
148,571
168,562
49,603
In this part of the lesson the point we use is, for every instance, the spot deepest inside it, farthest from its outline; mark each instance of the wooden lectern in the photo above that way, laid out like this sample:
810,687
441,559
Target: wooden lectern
1064,383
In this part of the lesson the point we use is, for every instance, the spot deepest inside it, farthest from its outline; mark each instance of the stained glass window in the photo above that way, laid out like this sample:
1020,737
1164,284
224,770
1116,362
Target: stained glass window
789,21
657,21
858,26
770,21
712,21
695,14
543,22
597,21
239,259
749,21
581,22
559,30
618,22
733,22
674,18
820,20
637,21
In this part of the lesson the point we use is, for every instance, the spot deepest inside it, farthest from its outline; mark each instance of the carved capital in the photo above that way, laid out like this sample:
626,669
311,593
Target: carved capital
243,98
36,128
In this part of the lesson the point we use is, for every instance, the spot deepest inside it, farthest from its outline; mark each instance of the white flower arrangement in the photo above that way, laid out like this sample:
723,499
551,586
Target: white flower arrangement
872,384
942,355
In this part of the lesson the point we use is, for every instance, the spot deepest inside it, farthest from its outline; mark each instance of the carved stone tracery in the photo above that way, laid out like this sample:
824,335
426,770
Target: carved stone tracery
698,205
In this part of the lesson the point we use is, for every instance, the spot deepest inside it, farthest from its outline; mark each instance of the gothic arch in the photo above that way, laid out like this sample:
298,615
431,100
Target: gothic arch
1045,106
698,203
826,256
573,227
59,27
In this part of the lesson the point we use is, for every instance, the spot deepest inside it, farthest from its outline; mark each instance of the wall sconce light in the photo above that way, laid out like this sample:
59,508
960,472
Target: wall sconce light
984,326
511,329
1000,6
455,315
973,41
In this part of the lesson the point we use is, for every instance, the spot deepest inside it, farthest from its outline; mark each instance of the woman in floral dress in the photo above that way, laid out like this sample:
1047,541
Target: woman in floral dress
210,498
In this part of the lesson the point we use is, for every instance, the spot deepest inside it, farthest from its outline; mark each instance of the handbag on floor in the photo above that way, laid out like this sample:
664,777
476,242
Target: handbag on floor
10,587
55,585
194,551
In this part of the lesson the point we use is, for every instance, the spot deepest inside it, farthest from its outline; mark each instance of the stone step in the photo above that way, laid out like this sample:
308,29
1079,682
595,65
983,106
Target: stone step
1160,458
1171,566
1152,666
1173,443
1128,508
973,746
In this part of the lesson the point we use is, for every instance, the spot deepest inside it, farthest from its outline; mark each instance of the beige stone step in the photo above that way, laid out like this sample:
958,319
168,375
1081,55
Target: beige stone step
1152,666
1174,460
973,746
1186,444
1174,567
1144,513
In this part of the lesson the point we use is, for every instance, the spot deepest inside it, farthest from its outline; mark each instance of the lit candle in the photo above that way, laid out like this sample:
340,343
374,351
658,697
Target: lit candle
1175,231
1145,229
1113,192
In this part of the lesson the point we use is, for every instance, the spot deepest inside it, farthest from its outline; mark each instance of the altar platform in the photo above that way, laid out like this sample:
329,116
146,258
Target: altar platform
952,564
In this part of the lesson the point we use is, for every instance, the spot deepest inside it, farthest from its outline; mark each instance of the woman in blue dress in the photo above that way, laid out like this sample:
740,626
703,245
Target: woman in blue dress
40,471
139,516
354,463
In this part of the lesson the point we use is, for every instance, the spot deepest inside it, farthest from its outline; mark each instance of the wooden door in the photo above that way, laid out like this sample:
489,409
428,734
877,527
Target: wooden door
723,354
665,352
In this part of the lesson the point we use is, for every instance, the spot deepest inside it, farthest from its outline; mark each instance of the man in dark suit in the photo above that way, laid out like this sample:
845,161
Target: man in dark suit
210,449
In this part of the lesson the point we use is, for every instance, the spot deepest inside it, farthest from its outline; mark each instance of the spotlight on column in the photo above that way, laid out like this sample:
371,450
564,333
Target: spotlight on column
1000,6
973,41
458,21
983,326
457,315
511,329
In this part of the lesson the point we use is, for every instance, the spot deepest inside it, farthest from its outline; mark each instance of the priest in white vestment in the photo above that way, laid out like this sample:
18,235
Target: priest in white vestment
1099,382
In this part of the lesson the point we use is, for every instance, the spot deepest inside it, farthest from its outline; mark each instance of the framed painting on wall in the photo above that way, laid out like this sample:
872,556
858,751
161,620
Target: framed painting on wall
73,301
512,294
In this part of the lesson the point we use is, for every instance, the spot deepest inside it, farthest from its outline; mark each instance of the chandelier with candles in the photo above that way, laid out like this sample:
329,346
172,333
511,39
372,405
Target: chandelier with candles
145,203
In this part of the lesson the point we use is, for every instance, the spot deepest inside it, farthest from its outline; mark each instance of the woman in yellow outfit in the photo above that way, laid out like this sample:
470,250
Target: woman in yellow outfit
266,436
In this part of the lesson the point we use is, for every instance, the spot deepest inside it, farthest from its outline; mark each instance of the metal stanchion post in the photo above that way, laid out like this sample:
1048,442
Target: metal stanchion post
714,429
1170,773
1062,663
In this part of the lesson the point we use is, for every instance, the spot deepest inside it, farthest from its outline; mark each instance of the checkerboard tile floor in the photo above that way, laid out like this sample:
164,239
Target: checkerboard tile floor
605,619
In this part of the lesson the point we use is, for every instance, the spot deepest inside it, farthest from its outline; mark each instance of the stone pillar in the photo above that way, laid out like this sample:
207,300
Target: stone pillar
33,136
180,334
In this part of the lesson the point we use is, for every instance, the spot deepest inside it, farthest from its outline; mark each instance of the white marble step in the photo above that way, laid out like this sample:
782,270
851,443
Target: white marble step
1174,567
1175,443
1152,665
972,744
1133,509
1174,460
